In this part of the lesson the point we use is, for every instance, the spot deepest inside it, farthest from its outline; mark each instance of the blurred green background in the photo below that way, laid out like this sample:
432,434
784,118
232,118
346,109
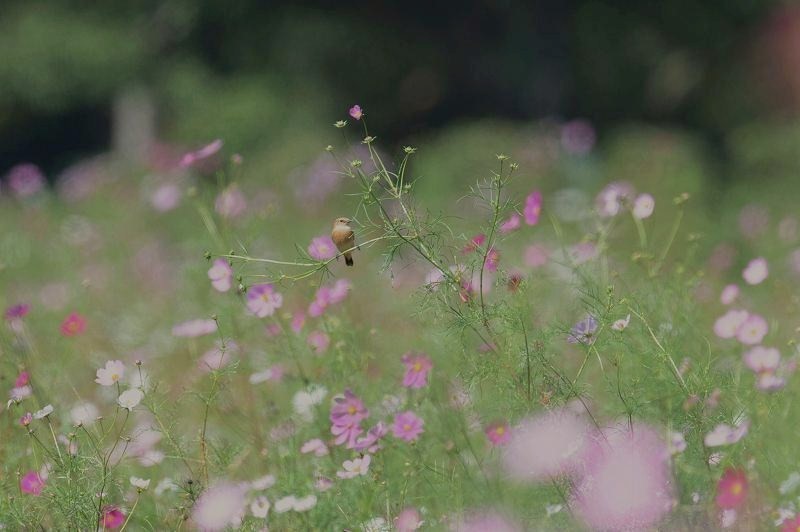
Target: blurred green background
79,78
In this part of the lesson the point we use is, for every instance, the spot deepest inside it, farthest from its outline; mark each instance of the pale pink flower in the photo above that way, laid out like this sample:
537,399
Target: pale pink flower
348,409
583,252
356,112
263,300
194,328
218,356
545,446
762,359
221,275
315,446
756,271
513,223
610,200
643,206
533,207
407,426
492,260
622,323
201,154
536,255
578,137
730,322
220,506
260,507
770,382
725,434
346,434
408,520
111,374
729,294
322,248
25,180
298,320
369,443
752,330
319,341
166,197
231,202
418,365
676,443
355,467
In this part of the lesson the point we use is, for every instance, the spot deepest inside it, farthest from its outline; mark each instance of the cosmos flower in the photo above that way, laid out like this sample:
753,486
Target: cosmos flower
111,374
130,398
140,483
643,206
725,434
84,414
348,409
220,506
583,331
356,112
533,207
474,243
23,379
166,197
305,402
369,443
31,483
791,524
621,324
231,202
492,260
731,489
263,300
762,359
355,467
583,252
752,330
407,426
17,312
610,200
545,446
756,271
730,322
498,433
112,517
315,446
210,149
43,413
408,520
221,275
73,324
298,504
195,328
484,521
322,248
729,294
513,223
418,366
319,341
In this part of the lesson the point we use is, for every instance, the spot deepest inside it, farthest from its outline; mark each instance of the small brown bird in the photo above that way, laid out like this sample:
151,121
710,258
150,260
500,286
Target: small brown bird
344,238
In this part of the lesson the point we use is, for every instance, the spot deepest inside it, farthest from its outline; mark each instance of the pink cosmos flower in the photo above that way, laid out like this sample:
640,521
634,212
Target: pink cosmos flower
202,154
498,433
263,300
348,409
17,312
584,331
791,524
533,207
218,356
729,294
355,467
322,248
315,446
762,359
31,483
513,223
418,365
726,435
166,197
346,434
22,379
221,275
319,341
756,271
220,506
194,328
474,243
73,325
610,200
622,323
730,322
230,203
583,252
25,180
369,443
492,260
356,112
536,255
752,330
407,426
408,520
643,206
548,445
627,483
26,419
112,517
731,489
298,320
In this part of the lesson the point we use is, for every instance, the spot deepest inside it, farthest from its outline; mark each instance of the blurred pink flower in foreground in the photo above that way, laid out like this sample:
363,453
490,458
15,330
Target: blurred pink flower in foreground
322,248
263,300
112,518
408,520
492,260
498,433
407,426
202,154
329,295
73,324
31,483
548,445
533,207
355,467
727,324
627,483
22,379
485,522
756,271
194,328
348,409
230,203
220,506
474,243
418,365
731,489
221,275
25,180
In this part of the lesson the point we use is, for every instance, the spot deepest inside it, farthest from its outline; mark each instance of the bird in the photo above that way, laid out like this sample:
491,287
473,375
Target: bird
344,238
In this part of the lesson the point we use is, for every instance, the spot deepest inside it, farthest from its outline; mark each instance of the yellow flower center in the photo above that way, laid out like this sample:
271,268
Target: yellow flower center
114,377
351,410
265,297
406,427
417,366
736,489
500,431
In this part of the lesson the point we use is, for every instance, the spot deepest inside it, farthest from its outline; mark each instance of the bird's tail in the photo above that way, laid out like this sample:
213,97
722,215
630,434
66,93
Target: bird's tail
348,259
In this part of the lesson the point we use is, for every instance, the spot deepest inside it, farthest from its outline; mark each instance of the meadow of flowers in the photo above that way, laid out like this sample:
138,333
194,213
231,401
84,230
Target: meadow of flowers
566,337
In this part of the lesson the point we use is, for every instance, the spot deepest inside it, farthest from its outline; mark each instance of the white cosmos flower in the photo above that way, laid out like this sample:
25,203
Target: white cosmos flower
140,483
84,414
130,398
110,374
260,507
44,412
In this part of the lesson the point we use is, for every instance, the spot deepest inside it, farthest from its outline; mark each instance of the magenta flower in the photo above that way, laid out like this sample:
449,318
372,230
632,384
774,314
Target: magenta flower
407,426
221,275
26,419
31,483
731,489
346,434
533,207
474,243
319,341
112,517
348,409
25,180
73,324
17,312
263,300
418,365
498,433
513,223
322,248
195,328
230,203
756,271
202,154
22,379
356,112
